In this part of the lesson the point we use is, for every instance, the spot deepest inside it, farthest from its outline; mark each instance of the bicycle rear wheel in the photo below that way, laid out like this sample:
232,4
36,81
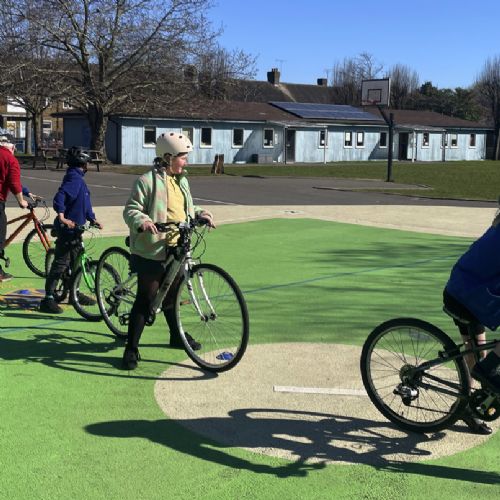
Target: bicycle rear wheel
418,401
211,308
83,295
34,250
116,289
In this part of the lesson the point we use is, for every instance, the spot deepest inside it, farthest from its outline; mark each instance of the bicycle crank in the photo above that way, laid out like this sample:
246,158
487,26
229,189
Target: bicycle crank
485,404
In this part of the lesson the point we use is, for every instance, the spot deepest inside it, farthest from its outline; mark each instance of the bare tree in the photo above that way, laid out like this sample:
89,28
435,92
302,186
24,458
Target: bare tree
404,81
488,87
121,53
348,75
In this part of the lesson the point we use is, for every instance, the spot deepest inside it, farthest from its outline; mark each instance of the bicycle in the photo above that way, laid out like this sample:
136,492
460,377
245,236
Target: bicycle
78,281
208,303
416,376
37,242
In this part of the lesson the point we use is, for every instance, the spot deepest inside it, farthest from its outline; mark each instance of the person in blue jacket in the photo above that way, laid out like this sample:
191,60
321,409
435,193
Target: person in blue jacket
74,208
472,295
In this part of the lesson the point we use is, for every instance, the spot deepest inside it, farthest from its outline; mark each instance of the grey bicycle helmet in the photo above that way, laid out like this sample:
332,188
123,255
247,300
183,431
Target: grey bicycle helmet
172,143
77,156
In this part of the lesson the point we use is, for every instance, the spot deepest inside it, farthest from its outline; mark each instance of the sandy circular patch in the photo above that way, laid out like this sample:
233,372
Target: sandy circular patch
242,408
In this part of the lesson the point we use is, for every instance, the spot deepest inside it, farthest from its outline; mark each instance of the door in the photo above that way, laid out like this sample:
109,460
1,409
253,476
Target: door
403,146
290,146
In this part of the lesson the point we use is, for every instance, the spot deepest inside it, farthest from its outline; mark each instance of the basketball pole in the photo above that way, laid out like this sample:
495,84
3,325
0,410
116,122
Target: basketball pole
390,123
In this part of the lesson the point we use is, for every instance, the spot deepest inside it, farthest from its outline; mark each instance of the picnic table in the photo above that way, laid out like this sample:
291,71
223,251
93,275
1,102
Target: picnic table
59,156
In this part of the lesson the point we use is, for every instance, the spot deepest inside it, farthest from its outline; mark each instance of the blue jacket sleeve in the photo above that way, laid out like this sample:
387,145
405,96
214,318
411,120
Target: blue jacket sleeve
26,191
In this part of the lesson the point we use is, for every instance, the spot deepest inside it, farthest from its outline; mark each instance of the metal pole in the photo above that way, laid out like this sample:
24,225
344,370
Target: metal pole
390,123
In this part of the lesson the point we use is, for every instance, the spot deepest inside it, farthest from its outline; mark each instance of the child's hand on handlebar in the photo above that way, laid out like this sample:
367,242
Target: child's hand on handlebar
207,216
149,226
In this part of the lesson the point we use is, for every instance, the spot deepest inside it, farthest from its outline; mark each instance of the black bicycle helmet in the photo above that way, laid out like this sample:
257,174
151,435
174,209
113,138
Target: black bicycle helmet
77,156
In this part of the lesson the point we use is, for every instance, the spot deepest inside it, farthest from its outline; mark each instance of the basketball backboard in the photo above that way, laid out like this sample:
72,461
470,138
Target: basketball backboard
376,92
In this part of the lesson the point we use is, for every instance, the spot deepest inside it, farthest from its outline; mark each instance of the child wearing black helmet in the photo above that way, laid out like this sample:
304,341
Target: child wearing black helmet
73,207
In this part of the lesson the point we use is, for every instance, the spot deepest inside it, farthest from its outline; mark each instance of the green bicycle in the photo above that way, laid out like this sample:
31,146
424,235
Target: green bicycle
78,281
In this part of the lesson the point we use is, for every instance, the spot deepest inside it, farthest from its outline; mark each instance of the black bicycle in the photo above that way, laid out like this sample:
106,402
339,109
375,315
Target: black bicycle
416,376
208,303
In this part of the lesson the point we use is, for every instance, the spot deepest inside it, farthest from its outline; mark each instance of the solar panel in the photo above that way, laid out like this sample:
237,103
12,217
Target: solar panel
326,111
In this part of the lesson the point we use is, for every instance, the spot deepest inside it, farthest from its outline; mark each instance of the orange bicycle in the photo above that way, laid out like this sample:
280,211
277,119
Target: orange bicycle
37,241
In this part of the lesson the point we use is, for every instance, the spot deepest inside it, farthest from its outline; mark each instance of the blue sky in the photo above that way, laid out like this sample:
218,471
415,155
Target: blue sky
446,42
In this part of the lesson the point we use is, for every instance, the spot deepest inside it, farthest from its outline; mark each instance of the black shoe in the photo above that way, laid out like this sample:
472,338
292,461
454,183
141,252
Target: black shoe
487,371
130,358
477,426
50,306
4,276
85,300
176,342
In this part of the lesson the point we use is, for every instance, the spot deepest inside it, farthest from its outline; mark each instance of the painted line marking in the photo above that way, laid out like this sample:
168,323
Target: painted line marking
217,201
320,390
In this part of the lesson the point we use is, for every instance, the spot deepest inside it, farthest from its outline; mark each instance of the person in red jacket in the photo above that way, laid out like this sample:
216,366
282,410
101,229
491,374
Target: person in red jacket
10,182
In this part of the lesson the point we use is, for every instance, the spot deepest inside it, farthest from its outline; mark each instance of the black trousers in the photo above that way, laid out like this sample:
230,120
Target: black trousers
147,285
3,225
67,248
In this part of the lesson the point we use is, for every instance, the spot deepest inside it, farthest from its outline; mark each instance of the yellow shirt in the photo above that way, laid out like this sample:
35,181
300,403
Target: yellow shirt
176,211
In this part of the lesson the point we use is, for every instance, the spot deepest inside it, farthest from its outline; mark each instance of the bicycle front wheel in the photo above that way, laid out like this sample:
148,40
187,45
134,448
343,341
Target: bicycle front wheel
35,247
415,396
210,307
116,289
83,295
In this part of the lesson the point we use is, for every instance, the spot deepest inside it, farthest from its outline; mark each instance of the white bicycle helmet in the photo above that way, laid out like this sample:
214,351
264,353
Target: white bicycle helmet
172,143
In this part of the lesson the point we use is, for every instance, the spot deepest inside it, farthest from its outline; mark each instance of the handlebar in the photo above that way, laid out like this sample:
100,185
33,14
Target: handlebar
165,227
32,204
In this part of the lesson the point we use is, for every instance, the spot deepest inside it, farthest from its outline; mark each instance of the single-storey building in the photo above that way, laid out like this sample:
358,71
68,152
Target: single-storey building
287,132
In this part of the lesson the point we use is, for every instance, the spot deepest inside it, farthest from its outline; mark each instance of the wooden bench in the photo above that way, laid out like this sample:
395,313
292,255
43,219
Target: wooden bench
40,158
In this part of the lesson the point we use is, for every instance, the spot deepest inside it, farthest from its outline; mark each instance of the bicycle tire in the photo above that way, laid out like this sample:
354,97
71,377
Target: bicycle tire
439,394
81,291
33,250
61,289
224,331
116,289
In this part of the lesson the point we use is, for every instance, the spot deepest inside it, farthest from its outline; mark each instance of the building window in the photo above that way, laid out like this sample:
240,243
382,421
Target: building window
453,140
472,140
149,136
67,104
323,139
360,139
425,139
189,133
444,141
47,127
347,139
268,138
237,137
383,140
206,137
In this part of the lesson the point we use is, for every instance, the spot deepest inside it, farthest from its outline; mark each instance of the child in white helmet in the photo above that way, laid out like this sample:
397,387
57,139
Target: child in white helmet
160,195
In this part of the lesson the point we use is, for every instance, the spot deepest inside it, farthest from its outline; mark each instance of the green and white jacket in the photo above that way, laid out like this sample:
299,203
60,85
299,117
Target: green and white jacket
148,202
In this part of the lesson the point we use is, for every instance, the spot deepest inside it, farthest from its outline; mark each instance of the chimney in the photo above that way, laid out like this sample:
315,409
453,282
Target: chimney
273,76
322,82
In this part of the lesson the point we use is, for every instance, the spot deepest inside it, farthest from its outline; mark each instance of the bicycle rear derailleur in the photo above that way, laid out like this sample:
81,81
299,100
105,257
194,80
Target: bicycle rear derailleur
485,404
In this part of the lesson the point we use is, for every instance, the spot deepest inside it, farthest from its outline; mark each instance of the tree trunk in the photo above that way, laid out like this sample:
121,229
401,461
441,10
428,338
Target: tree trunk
27,137
37,129
98,123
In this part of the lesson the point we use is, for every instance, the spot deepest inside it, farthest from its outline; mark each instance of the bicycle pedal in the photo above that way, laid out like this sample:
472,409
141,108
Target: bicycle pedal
123,319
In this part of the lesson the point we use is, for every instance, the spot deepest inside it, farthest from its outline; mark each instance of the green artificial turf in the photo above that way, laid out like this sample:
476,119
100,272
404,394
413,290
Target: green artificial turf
75,426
